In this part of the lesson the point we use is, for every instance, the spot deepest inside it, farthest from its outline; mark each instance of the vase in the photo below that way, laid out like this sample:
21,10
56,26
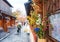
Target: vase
41,40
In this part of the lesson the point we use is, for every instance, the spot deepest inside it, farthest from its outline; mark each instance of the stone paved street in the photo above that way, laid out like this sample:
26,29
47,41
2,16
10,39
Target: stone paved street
16,38
21,37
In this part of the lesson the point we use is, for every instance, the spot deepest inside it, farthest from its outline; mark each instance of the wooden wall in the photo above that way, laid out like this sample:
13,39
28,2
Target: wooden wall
8,23
0,23
54,5
12,22
4,23
51,7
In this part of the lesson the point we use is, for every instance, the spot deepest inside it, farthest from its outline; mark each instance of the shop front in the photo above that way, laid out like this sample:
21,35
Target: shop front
6,21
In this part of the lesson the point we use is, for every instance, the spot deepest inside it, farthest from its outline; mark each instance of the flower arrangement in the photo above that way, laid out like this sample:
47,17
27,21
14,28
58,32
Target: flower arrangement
35,20
39,32
39,27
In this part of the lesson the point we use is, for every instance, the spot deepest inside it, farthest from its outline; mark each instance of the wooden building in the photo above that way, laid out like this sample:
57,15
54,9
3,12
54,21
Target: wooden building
47,9
6,18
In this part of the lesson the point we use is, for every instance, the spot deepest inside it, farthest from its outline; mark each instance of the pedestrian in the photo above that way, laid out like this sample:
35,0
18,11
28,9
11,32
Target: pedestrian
19,28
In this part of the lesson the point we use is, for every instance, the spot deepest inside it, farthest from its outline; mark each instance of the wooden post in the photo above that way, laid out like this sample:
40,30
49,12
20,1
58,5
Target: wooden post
5,25
44,14
1,23
14,21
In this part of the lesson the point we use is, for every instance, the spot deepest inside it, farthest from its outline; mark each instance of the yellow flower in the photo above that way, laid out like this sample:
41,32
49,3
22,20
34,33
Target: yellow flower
31,20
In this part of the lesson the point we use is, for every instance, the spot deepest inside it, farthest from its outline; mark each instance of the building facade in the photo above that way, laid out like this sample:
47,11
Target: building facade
50,12
6,18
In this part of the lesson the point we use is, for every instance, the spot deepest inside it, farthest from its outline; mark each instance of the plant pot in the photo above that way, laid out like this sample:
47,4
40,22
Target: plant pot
41,40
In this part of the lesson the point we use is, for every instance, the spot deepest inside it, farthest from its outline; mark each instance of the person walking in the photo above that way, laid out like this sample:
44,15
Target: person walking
19,28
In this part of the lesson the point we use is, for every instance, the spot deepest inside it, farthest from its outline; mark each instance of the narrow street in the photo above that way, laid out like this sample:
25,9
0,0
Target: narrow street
21,37
29,20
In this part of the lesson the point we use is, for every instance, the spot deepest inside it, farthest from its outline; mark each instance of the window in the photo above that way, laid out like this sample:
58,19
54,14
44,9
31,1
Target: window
55,22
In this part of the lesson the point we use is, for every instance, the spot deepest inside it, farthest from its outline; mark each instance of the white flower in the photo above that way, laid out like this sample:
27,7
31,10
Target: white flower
38,21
